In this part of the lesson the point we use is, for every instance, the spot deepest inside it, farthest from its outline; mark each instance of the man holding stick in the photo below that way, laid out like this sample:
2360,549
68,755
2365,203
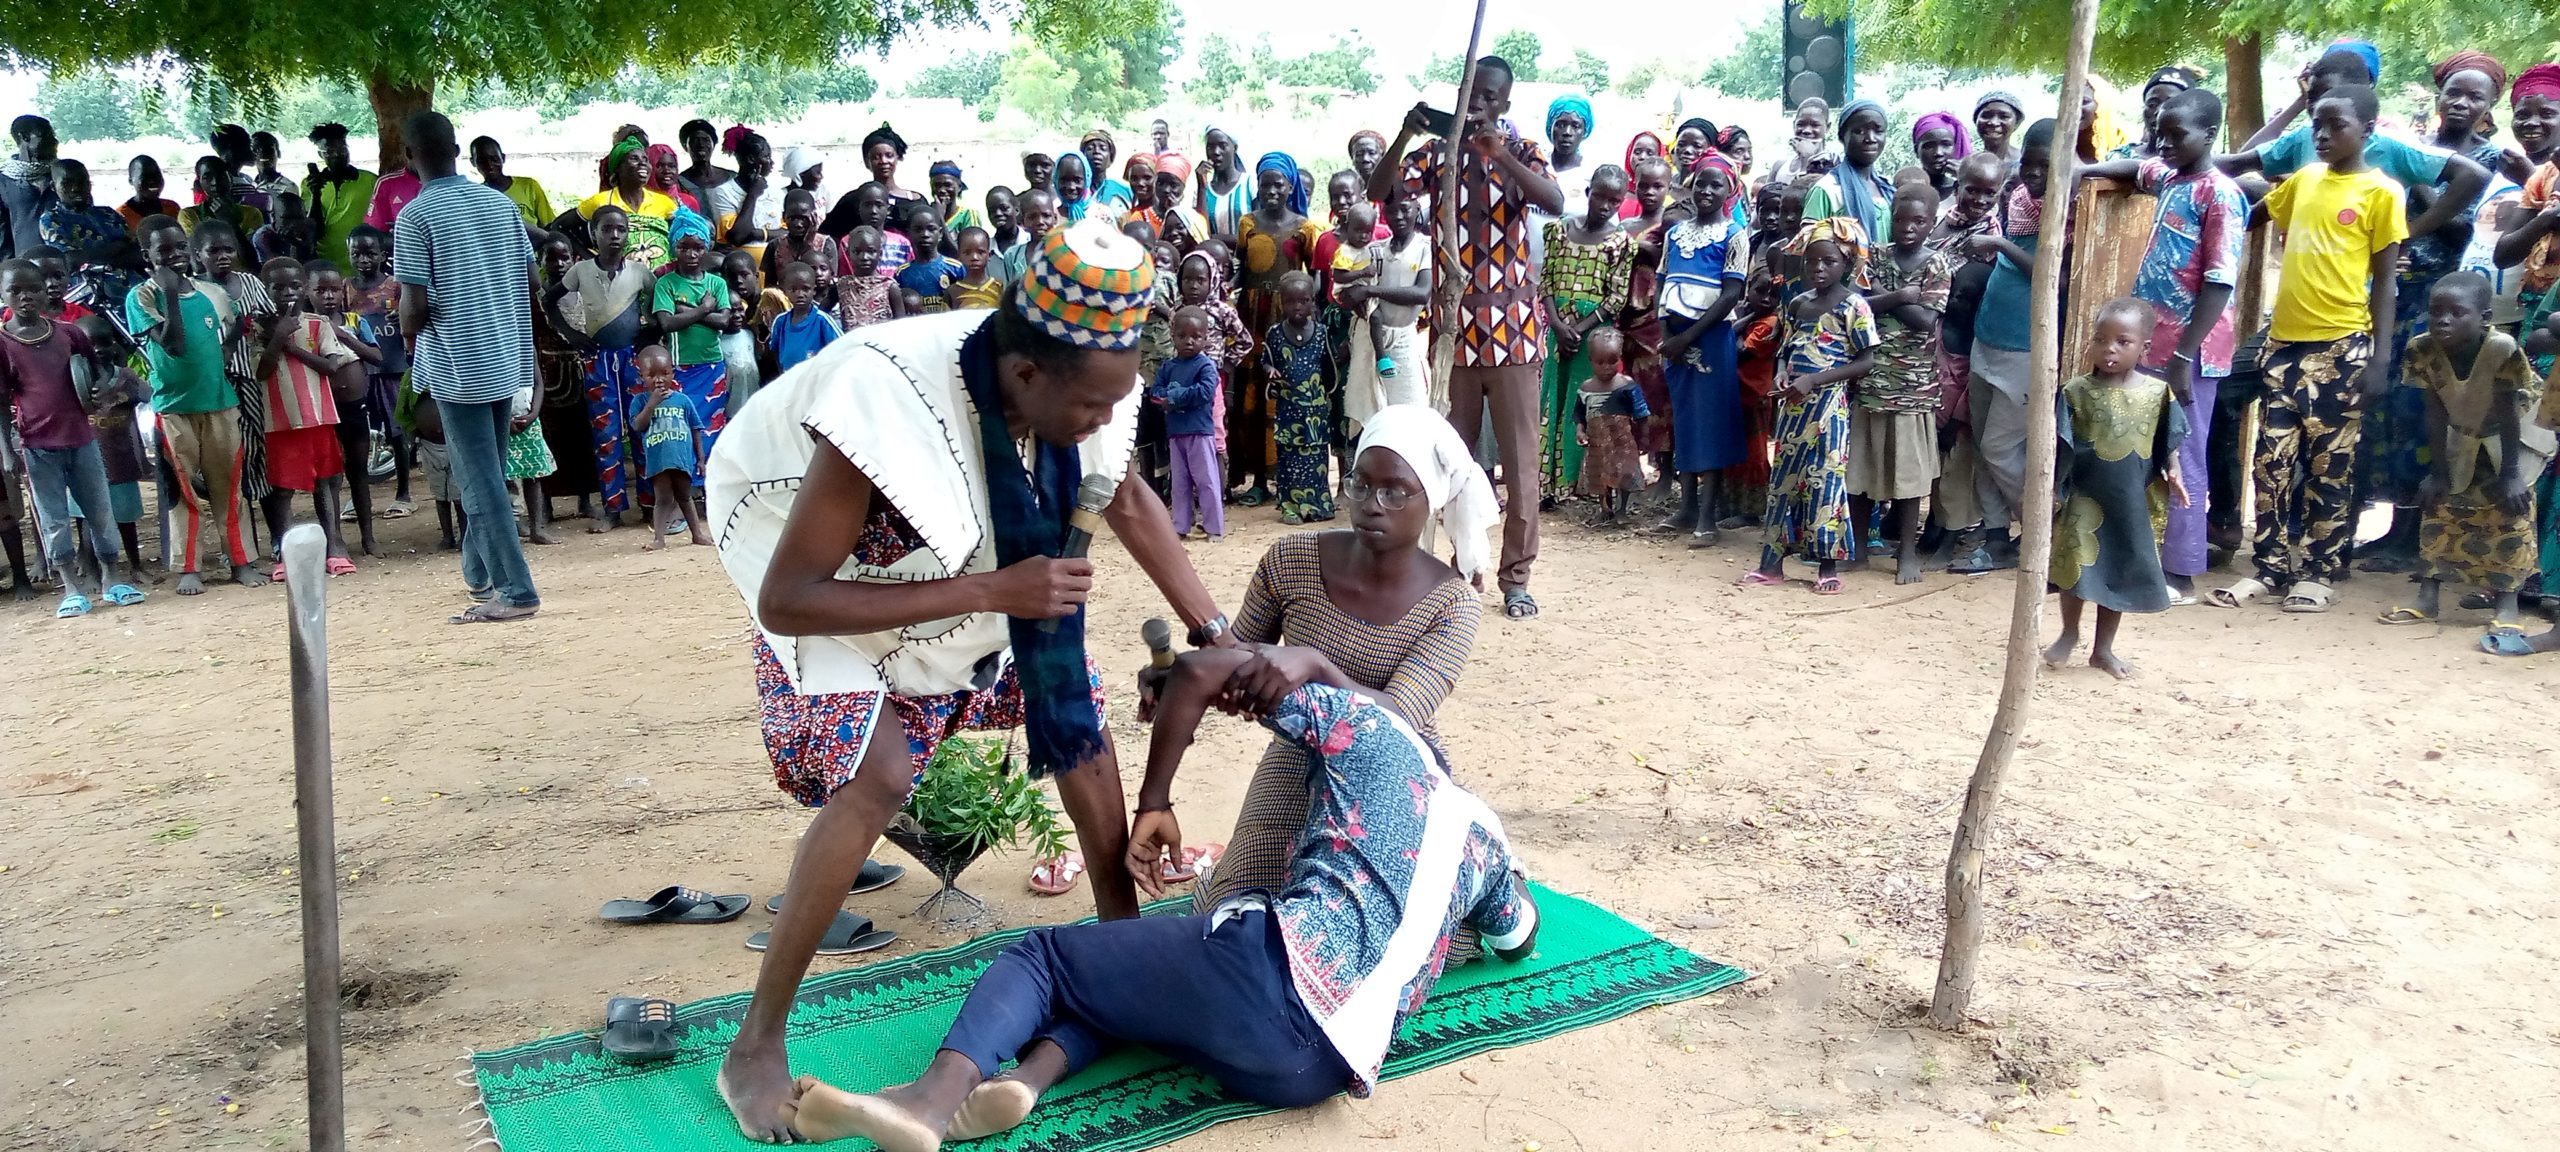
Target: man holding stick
1500,350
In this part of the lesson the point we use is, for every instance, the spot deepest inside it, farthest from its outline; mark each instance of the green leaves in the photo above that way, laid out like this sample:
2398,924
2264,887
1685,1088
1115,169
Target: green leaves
2135,36
969,792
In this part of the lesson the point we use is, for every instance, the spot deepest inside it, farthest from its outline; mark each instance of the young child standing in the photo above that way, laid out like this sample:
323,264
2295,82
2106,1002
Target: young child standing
672,447
977,287
119,434
1297,362
2121,428
613,292
1185,388
928,273
1827,339
2478,494
2328,354
351,386
1893,436
865,296
1607,405
1584,282
692,307
806,329
48,375
741,345
1704,259
185,326
218,250
374,294
2187,275
300,358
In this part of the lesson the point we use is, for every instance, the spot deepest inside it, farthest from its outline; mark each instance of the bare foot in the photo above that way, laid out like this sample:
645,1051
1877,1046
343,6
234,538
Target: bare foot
655,543
371,548
1907,570
994,1106
22,590
701,539
2106,660
447,544
756,1085
2060,653
544,536
827,1112
248,576
189,584
600,527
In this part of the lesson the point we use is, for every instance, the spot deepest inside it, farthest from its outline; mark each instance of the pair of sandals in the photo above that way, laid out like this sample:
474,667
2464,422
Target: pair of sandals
336,566
1822,585
1057,875
2305,598
847,935
75,604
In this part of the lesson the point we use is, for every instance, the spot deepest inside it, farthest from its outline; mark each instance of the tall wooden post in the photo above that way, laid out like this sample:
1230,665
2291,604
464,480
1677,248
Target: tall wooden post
1447,281
315,826
1957,960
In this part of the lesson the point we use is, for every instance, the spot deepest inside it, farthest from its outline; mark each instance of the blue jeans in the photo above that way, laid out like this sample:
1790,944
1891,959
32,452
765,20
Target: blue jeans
61,477
1221,1001
475,438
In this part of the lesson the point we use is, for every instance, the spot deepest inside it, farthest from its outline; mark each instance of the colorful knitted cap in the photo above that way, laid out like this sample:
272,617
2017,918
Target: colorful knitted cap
1090,286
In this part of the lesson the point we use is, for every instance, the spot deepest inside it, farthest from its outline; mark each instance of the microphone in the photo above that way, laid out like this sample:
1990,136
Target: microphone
1159,638
1091,498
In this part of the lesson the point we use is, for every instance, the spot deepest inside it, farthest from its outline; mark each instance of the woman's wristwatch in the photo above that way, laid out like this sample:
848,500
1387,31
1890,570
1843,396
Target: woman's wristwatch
1206,632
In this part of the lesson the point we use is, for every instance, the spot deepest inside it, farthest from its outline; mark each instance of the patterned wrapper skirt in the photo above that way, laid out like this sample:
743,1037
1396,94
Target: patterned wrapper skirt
816,742
1611,460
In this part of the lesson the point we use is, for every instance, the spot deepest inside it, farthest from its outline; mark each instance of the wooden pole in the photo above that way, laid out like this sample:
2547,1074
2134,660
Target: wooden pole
307,621
2244,105
1956,961
1448,281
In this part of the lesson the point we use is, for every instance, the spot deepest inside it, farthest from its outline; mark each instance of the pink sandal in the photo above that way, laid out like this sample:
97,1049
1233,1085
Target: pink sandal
1756,578
1057,877
1827,586
340,566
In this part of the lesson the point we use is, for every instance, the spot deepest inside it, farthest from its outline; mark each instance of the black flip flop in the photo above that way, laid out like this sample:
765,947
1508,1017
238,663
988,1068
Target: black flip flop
849,935
677,905
873,877
639,1029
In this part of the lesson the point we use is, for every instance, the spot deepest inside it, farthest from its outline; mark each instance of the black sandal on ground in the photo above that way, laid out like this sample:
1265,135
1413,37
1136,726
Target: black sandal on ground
849,935
873,877
639,1029
677,905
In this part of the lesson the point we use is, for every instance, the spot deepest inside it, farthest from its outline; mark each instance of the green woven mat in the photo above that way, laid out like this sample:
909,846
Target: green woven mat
867,1027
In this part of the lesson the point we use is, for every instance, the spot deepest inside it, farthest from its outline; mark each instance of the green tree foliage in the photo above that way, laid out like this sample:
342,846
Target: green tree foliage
1344,67
970,78
1755,70
86,105
1221,74
400,51
1590,71
1521,47
1062,86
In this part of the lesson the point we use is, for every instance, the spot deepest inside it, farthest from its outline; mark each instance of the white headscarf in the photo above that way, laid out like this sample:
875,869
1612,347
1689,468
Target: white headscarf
1461,499
799,160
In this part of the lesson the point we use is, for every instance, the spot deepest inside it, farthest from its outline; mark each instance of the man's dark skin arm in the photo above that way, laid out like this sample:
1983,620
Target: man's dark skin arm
1198,679
414,316
2464,179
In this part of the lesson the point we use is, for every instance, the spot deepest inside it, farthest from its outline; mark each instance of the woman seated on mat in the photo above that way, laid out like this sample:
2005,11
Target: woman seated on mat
1368,607
1391,857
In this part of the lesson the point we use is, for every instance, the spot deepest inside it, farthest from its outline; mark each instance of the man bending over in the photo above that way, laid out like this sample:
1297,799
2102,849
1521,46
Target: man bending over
1305,987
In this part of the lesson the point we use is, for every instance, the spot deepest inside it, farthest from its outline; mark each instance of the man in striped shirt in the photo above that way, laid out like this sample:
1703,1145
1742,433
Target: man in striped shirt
465,272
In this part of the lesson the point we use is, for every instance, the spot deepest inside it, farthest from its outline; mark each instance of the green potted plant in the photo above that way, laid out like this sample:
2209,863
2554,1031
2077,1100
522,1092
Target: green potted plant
970,802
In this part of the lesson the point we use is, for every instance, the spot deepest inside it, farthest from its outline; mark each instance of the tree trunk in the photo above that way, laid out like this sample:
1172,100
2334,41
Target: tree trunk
1449,277
2244,105
1949,1007
393,101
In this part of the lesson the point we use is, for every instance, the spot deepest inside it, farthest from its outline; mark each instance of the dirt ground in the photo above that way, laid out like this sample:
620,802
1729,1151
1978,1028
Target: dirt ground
2290,888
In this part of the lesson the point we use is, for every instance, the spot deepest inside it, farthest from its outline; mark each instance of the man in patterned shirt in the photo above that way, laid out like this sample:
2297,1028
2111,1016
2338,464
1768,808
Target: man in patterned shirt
1306,986
1501,352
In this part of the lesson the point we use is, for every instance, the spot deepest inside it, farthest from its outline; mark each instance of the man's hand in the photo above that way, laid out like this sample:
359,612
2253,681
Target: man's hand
2182,377
2515,496
1982,245
1354,295
2375,381
1418,121
1261,683
519,424
1155,836
2431,491
1040,587
1488,141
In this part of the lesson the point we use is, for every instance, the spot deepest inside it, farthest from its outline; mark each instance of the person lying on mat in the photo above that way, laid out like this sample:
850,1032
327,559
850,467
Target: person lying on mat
1307,986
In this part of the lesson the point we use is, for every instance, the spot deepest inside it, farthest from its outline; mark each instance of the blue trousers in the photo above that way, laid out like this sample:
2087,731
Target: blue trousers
1220,1001
62,478
475,440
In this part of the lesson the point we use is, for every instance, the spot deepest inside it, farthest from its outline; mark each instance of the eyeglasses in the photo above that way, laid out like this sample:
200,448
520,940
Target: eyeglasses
1390,499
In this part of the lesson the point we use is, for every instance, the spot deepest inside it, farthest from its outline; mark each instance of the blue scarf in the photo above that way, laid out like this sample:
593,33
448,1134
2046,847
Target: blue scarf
1867,196
1029,518
1287,166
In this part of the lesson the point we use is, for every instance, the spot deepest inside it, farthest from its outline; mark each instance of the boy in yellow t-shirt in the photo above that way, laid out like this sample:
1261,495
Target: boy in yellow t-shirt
2328,354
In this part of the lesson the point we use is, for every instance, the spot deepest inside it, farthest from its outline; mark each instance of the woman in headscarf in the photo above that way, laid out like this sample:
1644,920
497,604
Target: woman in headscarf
1225,194
1099,150
701,177
882,151
1138,176
648,209
945,180
1568,126
1273,240
1074,183
1173,175
1996,118
910,468
1646,146
1325,594
1857,189
1940,143
1367,149
1736,146
665,177
1696,137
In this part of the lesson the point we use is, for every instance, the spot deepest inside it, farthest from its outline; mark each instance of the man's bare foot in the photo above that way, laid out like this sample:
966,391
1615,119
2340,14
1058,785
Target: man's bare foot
544,536
655,542
370,548
189,584
24,590
756,1085
1907,569
826,1112
600,527
994,1106
701,539
248,576
2060,653
2106,660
